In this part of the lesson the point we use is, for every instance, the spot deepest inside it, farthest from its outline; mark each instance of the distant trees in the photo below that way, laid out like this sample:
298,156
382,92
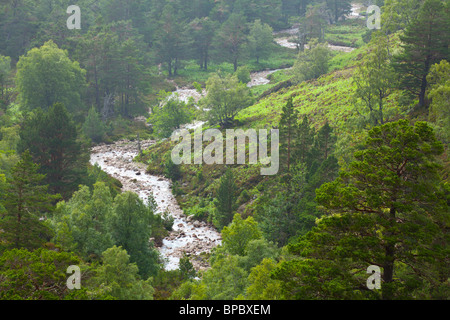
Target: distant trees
5,69
231,38
203,32
113,56
312,25
338,8
172,40
260,40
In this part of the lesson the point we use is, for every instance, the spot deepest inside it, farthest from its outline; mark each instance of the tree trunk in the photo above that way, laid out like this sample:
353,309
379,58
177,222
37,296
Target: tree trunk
423,87
388,273
388,265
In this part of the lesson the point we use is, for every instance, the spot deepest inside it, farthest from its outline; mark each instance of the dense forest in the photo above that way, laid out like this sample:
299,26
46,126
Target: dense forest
88,179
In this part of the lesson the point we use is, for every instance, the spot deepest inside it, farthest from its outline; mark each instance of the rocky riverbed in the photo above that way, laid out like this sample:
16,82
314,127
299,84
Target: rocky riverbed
188,236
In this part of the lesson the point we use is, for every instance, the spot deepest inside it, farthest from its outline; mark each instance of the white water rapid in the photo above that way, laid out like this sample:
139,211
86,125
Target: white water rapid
192,237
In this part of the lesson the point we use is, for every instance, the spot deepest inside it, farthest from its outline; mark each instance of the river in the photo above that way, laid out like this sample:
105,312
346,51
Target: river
289,34
191,237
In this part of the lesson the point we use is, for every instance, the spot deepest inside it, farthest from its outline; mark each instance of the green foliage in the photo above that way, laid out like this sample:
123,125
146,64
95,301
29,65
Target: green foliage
312,62
230,39
5,69
80,224
170,114
51,138
8,145
260,40
439,94
131,225
46,76
96,174
398,14
243,75
225,280
119,277
256,251
277,218
26,201
424,43
171,170
225,200
262,286
93,127
389,209
226,96
202,210
186,268
35,275
375,78
239,233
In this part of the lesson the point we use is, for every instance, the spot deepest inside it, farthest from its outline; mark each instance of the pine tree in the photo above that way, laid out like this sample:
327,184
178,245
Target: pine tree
225,200
305,137
93,127
288,128
52,140
26,201
131,224
186,268
323,144
425,42
389,209
231,38
260,40
374,78
172,40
